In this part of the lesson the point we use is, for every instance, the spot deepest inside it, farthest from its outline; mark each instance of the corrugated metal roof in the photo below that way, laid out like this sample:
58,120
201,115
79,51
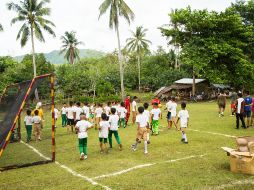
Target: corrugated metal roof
188,81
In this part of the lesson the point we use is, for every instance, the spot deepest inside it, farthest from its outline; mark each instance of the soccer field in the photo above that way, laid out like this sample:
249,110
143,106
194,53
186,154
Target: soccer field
170,164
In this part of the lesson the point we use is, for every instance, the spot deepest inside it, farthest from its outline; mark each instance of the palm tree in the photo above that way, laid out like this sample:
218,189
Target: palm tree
117,8
31,13
69,46
1,27
139,45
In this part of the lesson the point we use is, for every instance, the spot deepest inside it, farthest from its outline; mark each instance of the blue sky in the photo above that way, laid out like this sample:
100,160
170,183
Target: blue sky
82,17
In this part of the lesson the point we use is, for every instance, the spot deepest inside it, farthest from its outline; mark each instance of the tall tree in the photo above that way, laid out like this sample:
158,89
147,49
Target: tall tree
69,46
139,45
117,8
31,13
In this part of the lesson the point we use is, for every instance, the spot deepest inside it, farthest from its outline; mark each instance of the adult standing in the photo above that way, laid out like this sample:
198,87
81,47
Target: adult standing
240,111
221,103
127,103
248,108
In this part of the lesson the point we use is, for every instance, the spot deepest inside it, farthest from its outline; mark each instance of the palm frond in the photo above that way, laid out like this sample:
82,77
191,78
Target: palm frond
104,7
25,35
38,32
18,18
1,27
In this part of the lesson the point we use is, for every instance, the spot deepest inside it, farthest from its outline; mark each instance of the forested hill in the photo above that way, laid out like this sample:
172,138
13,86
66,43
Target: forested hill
56,58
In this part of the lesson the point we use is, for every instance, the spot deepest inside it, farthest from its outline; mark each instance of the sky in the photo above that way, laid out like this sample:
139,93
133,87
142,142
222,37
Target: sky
82,16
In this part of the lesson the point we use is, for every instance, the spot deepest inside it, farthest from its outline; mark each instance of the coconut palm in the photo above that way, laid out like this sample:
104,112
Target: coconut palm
1,28
31,13
139,45
117,8
69,46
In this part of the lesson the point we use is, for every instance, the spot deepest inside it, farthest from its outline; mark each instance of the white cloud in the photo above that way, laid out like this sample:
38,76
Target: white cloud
82,17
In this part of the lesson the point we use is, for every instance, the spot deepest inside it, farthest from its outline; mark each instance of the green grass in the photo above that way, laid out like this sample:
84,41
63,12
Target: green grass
209,171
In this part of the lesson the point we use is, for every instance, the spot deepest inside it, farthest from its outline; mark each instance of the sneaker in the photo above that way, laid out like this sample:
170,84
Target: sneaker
146,152
182,140
82,156
134,149
185,142
85,157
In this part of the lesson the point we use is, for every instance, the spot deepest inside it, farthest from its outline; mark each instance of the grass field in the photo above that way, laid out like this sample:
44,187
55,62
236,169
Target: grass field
201,164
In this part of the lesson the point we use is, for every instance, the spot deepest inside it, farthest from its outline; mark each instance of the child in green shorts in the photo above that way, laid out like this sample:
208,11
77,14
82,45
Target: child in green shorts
103,133
122,114
155,116
29,125
82,127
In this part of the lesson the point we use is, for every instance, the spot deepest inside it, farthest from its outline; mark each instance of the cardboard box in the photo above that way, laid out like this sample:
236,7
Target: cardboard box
240,162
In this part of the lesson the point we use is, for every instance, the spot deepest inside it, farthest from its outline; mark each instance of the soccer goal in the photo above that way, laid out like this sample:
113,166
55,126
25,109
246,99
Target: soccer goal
15,102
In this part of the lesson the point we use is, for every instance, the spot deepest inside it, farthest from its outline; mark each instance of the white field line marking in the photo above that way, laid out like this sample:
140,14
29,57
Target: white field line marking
90,180
220,134
232,184
143,166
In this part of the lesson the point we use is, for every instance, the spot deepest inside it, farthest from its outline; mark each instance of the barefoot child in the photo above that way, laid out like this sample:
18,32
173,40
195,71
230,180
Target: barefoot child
103,133
155,116
82,127
113,120
183,116
147,114
142,122
29,124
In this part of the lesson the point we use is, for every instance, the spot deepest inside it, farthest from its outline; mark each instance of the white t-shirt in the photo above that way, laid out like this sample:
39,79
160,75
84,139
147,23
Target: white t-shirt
183,115
86,111
168,105
70,111
103,132
239,105
142,120
36,119
122,112
156,113
63,110
82,128
56,113
113,120
92,109
115,106
28,120
134,105
78,111
98,112
107,110
172,109
147,114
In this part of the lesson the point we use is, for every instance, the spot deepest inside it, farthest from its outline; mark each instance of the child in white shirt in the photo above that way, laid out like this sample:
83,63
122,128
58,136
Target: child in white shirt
113,120
172,110
77,111
98,111
107,109
37,125
28,120
155,116
134,109
122,114
82,127
63,114
86,110
147,114
142,122
183,116
70,117
103,133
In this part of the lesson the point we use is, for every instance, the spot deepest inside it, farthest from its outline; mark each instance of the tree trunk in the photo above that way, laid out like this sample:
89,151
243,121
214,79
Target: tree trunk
72,56
139,73
120,59
34,64
194,83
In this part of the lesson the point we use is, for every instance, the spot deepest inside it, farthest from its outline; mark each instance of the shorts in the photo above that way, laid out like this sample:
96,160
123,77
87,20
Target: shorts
169,116
70,122
104,140
142,134
91,115
76,121
222,106
247,114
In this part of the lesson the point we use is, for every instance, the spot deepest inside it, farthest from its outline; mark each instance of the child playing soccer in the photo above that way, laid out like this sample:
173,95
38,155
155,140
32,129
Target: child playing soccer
107,109
70,117
142,122
147,114
172,109
86,110
122,114
29,124
155,116
77,111
82,127
92,107
37,125
183,116
64,117
98,111
113,120
134,109
103,133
